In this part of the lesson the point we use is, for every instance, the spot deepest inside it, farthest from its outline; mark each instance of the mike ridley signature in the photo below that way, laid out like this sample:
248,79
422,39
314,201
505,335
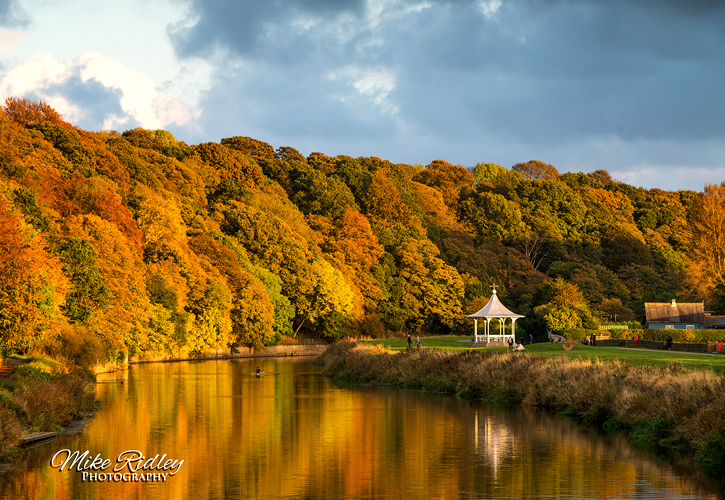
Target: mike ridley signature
130,466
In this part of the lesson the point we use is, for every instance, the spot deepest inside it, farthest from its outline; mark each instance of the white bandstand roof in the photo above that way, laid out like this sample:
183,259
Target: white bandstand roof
494,309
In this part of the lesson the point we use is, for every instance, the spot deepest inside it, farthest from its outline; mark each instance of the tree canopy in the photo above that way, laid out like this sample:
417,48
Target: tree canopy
150,245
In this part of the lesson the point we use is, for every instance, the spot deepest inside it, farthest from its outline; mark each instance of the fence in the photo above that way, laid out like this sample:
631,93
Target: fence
657,344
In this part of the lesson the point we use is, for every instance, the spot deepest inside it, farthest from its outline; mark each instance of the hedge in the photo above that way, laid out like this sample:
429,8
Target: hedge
689,336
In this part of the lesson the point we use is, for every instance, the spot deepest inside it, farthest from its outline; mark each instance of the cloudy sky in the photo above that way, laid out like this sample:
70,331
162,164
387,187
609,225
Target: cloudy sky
636,87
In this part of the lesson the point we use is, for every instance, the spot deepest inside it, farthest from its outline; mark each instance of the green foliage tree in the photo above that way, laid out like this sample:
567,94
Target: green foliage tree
492,217
564,307
490,173
229,164
432,290
88,290
316,193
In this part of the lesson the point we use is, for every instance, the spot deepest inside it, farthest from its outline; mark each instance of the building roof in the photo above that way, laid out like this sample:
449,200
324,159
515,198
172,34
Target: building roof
714,321
665,312
494,309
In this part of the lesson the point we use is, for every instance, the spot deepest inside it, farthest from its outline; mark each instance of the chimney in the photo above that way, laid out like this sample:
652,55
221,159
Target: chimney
674,304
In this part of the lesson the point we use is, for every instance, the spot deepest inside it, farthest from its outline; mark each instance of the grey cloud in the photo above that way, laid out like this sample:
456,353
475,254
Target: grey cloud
95,100
241,26
11,14
540,74
301,108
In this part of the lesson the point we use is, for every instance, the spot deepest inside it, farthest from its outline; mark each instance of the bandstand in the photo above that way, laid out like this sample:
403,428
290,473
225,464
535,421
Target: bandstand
494,309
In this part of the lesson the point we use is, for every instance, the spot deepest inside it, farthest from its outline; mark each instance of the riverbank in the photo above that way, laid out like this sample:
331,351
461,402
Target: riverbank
667,410
41,394
631,355
278,351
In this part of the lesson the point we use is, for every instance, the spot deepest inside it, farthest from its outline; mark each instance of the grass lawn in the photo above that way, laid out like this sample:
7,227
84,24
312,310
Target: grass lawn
640,356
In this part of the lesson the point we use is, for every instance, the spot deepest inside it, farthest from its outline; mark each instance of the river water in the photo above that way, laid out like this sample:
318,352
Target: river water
295,434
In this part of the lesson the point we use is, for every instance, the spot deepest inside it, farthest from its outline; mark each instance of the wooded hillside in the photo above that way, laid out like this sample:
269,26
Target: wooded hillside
114,244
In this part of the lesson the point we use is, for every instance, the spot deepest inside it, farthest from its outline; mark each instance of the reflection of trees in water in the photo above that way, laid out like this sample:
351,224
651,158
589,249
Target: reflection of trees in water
295,434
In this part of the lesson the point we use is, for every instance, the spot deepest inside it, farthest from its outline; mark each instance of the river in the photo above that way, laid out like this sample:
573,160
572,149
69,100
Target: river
292,433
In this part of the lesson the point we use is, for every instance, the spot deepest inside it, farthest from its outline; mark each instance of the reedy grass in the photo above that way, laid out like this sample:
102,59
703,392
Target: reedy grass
41,395
667,409
642,356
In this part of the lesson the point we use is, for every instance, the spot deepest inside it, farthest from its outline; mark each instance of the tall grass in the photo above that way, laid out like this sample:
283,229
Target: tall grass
667,410
41,395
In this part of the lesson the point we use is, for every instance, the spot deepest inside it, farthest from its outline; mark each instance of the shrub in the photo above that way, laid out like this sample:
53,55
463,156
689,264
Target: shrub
79,345
711,456
10,431
52,404
679,335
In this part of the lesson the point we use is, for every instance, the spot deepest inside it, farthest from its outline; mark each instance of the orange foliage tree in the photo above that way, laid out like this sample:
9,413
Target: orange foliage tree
29,113
447,178
707,249
31,285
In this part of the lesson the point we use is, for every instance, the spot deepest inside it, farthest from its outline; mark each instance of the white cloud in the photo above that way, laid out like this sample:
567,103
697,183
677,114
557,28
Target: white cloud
141,101
375,85
489,8
38,72
141,98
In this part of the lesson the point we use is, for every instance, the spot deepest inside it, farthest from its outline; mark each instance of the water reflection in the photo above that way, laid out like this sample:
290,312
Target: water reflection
295,434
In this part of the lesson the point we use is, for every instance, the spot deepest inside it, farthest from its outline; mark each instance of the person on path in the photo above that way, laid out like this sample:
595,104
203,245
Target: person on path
410,341
531,338
669,341
511,343
636,340
593,340
417,342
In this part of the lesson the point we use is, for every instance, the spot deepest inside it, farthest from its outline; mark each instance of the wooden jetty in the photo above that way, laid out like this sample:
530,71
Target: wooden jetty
36,437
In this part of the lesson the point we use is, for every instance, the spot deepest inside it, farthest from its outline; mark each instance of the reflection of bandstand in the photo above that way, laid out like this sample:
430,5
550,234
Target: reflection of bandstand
494,309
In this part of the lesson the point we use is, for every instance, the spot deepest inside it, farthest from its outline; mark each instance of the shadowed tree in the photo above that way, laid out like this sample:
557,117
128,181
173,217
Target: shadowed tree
250,147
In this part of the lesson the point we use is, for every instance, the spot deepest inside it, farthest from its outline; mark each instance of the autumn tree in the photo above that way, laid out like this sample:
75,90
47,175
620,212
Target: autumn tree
383,202
707,247
230,164
252,311
31,285
251,147
447,178
432,290
123,326
535,170
29,113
